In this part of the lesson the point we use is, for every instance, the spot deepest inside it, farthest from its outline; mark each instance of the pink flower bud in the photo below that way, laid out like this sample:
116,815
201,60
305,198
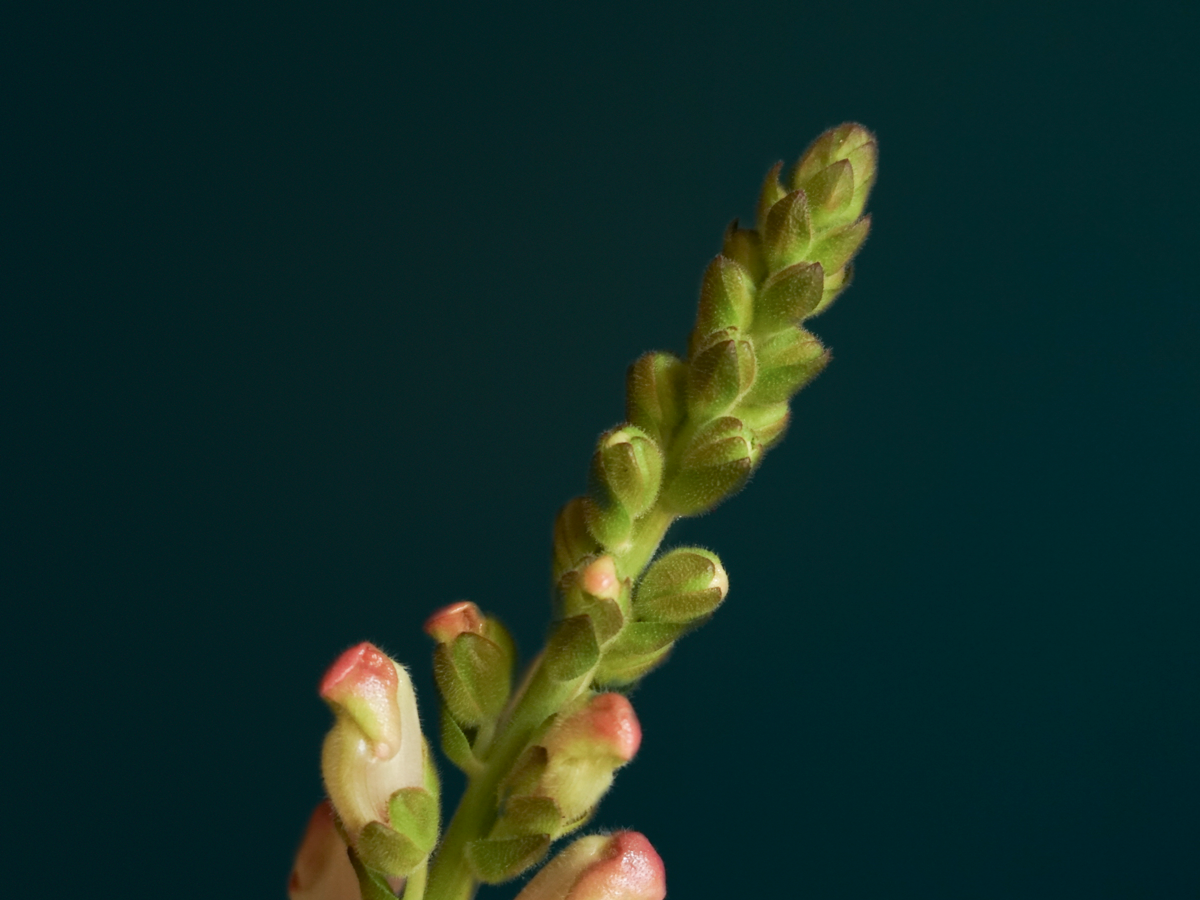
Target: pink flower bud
450,621
606,726
599,578
322,870
620,866
583,751
375,747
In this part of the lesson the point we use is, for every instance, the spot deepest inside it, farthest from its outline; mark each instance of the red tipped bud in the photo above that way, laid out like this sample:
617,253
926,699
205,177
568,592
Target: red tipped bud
450,621
599,578
583,751
606,726
375,747
620,866
322,870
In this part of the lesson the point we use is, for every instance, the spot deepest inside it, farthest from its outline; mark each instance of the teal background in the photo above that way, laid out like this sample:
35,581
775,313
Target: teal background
314,315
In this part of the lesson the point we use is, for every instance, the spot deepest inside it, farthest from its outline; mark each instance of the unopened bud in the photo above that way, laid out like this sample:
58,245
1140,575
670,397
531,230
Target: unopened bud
837,247
721,372
716,463
680,587
788,360
640,647
726,299
620,866
450,621
767,422
473,667
843,156
572,541
654,395
744,246
322,870
787,232
770,194
788,296
627,467
375,747
584,748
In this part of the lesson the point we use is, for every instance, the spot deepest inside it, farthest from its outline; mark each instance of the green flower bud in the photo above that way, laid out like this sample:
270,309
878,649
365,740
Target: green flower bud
473,667
627,468
640,647
788,360
716,463
580,752
719,375
572,541
834,285
837,247
572,650
770,194
768,422
726,299
684,585
654,389
837,173
849,141
788,231
788,296
744,247
494,861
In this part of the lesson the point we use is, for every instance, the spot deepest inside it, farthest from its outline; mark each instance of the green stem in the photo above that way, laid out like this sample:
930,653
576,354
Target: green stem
450,877
648,534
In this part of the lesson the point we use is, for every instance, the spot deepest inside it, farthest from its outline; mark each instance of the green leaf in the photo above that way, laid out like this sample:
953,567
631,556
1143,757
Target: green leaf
830,191
474,675
835,144
526,772
572,649
717,463
496,861
455,744
608,521
388,852
372,885
529,815
414,813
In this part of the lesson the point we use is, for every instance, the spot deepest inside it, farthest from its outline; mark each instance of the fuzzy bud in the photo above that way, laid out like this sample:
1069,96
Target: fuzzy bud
450,621
620,866
375,747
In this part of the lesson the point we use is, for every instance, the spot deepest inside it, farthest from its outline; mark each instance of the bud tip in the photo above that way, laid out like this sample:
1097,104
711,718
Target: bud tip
450,621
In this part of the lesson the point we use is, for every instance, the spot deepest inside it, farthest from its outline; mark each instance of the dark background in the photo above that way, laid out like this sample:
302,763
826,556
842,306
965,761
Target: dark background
313,316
